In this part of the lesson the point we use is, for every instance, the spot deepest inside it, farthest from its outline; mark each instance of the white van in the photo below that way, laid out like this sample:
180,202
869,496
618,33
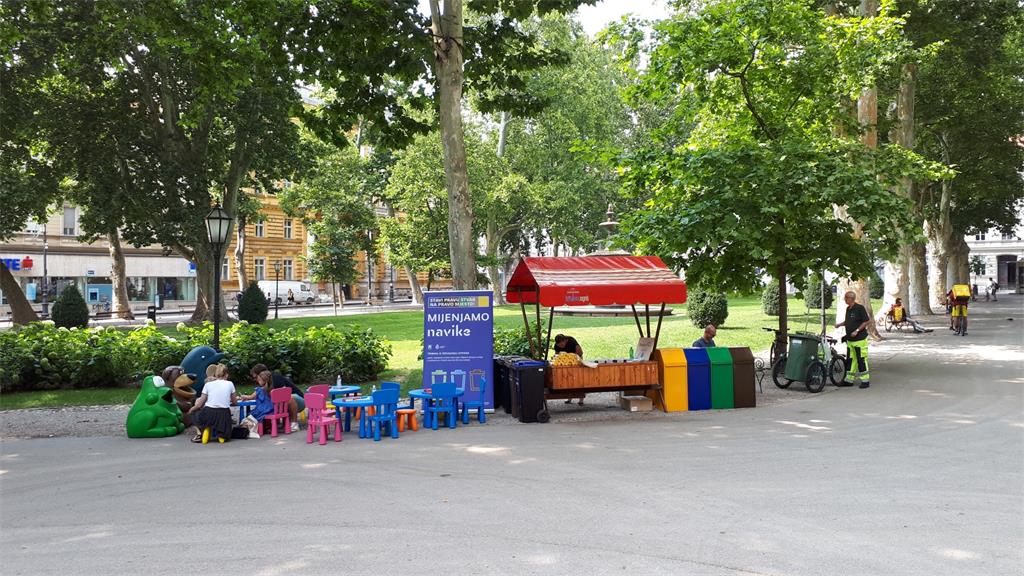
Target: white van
301,291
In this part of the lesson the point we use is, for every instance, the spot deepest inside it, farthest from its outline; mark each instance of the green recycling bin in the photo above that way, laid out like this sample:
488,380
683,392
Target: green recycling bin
721,378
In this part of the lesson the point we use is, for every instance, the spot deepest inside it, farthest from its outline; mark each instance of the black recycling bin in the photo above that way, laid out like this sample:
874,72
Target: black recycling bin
504,377
151,313
528,391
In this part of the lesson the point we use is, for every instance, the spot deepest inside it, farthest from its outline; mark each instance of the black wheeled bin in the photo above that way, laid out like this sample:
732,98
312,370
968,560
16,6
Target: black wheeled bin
528,391
504,376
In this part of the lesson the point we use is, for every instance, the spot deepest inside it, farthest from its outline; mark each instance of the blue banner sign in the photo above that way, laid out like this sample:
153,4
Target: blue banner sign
458,342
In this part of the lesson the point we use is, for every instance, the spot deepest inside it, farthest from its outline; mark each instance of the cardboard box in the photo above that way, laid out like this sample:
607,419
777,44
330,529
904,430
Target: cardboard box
636,403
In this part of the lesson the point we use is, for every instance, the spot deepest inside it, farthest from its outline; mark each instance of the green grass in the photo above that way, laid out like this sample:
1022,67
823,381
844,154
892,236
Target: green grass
61,398
599,337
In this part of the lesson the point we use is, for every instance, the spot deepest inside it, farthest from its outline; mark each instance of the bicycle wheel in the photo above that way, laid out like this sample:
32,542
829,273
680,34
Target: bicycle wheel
778,373
963,325
888,323
837,369
815,378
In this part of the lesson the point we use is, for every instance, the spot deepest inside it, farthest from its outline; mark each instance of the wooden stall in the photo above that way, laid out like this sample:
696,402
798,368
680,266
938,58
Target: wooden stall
606,280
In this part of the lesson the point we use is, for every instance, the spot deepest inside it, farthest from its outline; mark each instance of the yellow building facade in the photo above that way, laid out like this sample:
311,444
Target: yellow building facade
273,237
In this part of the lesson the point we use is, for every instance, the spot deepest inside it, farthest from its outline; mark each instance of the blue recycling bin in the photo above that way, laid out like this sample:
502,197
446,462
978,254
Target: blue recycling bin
698,378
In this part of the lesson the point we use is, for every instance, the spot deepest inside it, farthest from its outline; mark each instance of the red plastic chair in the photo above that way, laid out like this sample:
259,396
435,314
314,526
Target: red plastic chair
319,419
280,397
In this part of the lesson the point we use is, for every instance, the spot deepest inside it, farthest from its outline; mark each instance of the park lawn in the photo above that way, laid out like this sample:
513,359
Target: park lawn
599,337
61,398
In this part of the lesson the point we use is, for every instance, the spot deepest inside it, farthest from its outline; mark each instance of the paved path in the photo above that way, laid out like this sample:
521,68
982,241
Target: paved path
923,473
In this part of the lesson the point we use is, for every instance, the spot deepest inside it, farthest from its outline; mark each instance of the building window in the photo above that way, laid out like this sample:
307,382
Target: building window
287,268
979,237
260,268
70,221
287,228
1009,237
260,229
225,271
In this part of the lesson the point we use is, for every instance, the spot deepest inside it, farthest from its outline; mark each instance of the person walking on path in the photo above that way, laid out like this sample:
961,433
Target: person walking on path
993,287
856,340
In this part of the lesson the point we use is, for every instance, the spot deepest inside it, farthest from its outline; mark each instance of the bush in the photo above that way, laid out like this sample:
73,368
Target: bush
706,308
41,356
813,293
876,287
770,298
512,342
70,310
253,307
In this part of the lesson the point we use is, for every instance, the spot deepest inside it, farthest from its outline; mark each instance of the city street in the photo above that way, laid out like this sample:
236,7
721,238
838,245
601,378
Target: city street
922,473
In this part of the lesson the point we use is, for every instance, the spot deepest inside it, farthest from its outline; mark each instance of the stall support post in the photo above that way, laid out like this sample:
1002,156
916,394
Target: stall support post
537,310
526,324
647,314
657,334
547,343
637,318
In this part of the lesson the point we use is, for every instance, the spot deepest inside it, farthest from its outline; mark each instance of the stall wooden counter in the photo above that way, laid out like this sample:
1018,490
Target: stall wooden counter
605,377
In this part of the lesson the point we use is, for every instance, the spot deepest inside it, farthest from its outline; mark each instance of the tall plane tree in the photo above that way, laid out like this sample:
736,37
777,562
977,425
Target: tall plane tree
210,92
749,185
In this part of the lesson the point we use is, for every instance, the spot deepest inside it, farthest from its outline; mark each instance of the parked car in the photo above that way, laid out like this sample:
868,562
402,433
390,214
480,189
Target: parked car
301,291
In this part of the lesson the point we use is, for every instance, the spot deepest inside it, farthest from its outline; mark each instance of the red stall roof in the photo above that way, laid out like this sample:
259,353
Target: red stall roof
595,280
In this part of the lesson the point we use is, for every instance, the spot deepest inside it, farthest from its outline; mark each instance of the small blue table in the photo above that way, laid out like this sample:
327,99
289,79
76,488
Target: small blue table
350,403
425,396
344,390
244,407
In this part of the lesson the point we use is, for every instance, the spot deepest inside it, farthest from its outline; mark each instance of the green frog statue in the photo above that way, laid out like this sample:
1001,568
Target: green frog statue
155,413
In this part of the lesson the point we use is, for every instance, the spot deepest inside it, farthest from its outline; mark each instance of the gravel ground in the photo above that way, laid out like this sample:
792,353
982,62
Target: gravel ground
85,421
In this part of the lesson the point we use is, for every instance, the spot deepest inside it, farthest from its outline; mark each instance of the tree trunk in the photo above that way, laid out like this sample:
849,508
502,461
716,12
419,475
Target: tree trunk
447,30
21,309
121,305
414,283
202,257
919,303
867,117
898,272
782,343
243,275
491,238
964,272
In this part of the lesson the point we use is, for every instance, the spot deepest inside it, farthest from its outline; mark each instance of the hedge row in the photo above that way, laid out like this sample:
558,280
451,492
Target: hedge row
41,356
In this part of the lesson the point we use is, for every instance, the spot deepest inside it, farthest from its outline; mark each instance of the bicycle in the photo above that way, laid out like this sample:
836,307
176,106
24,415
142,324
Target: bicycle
774,353
960,322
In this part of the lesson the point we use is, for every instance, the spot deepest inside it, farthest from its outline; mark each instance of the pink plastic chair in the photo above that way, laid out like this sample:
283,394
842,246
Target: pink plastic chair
280,397
319,419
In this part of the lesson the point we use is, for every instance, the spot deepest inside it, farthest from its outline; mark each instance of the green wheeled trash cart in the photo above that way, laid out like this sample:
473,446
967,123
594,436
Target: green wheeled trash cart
801,364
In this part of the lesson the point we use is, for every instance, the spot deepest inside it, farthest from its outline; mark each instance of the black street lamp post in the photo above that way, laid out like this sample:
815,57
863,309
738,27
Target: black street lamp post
46,275
218,229
277,286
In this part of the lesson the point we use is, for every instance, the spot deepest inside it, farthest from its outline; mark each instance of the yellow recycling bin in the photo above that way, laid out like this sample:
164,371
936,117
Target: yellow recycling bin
672,375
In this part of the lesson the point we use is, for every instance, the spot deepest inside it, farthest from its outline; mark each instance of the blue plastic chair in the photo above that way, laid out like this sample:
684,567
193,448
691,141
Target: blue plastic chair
398,387
442,401
384,404
468,405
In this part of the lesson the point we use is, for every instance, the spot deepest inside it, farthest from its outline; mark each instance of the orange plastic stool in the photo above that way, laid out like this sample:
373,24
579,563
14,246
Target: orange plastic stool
407,414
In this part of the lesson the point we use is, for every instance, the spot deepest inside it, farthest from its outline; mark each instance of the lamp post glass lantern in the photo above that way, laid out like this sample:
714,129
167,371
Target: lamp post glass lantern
277,286
218,230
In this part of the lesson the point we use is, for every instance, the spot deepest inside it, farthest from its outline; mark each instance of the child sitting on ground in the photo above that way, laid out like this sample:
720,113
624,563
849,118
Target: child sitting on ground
213,408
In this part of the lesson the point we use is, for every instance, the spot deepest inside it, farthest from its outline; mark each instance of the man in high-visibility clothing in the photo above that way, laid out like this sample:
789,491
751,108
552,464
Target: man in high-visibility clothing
856,340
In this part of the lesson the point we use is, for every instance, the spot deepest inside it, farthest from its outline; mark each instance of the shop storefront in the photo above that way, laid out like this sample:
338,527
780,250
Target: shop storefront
172,277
